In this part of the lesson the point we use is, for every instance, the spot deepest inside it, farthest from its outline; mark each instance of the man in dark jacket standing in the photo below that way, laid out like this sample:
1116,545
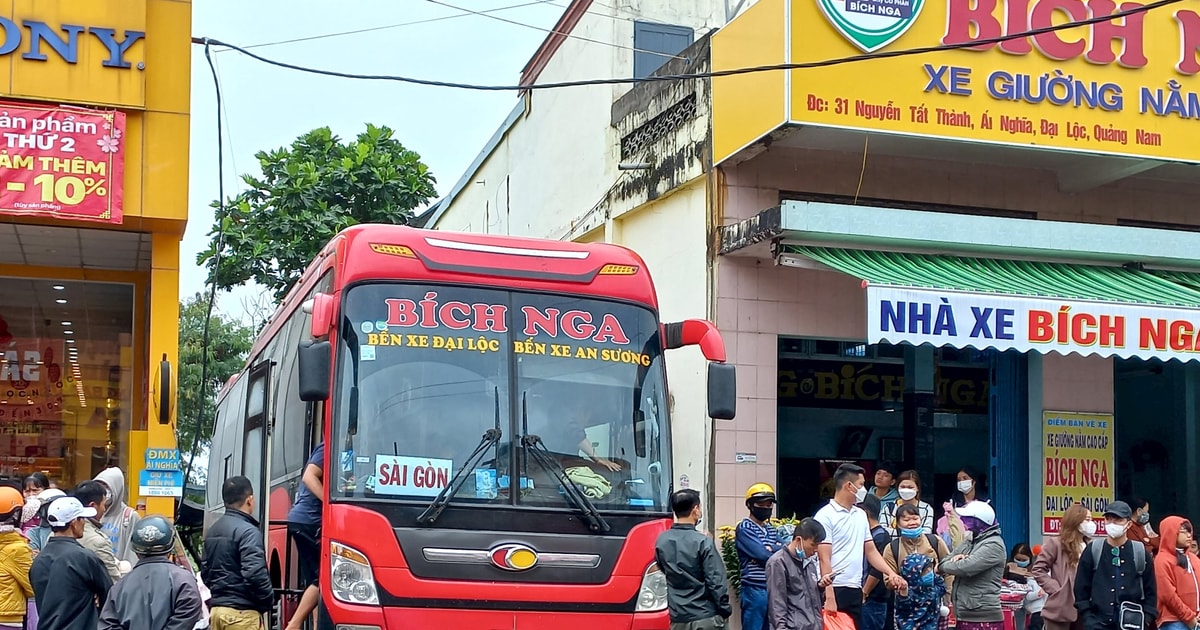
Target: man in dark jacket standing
696,593
235,563
69,582
1115,578
157,594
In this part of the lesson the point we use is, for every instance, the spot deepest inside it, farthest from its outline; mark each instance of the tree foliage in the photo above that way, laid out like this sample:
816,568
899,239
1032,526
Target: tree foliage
229,343
307,193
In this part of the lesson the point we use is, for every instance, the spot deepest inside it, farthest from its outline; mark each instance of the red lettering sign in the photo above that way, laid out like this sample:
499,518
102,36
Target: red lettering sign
976,20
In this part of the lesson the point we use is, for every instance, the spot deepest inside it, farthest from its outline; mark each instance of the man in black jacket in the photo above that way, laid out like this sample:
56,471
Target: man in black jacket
235,562
1114,584
69,582
158,594
696,593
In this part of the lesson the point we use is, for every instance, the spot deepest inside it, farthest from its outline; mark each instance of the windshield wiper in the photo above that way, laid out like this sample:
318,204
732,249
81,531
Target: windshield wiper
534,446
490,437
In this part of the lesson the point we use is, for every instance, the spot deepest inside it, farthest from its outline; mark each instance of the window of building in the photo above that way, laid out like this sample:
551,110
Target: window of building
655,44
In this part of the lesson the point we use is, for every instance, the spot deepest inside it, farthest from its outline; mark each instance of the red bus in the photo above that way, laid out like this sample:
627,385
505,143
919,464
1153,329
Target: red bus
496,421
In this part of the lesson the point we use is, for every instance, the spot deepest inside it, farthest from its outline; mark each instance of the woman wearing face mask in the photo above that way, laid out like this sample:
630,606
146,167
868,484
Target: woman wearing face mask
1175,574
967,489
977,566
1140,529
1054,569
908,485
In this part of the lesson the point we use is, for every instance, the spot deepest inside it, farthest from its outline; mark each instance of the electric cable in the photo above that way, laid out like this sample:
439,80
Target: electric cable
566,34
212,292
906,52
391,26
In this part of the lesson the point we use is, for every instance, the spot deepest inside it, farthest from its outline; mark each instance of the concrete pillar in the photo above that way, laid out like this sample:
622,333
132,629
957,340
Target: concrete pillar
920,400
164,341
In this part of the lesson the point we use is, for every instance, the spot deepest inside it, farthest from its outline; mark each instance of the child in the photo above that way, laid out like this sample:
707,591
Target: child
921,607
1033,598
793,597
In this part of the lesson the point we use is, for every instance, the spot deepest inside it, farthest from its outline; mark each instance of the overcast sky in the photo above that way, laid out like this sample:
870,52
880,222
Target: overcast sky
267,107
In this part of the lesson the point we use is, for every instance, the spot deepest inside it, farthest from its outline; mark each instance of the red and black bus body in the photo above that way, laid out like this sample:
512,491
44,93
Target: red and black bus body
425,360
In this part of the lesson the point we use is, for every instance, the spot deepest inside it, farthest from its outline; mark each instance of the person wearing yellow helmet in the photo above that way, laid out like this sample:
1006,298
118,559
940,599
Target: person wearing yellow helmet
15,588
756,541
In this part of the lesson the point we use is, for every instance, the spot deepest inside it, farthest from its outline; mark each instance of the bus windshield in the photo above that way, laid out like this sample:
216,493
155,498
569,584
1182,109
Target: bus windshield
425,371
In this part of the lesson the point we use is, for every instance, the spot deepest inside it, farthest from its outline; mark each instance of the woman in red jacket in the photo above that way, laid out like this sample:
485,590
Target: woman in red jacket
1175,572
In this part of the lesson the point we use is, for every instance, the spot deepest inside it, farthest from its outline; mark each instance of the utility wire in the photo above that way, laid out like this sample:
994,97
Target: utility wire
390,26
212,291
552,31
907,52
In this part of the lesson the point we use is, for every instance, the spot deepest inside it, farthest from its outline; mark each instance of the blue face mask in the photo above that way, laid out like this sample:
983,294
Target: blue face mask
911,533
800,555
1022,563
927,579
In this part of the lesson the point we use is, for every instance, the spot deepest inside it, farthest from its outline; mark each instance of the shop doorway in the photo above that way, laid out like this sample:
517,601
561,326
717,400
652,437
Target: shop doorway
1152,412
66,377
843,401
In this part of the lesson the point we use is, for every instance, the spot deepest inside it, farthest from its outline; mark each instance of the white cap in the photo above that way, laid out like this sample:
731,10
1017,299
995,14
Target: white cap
979,510
50,494
66,510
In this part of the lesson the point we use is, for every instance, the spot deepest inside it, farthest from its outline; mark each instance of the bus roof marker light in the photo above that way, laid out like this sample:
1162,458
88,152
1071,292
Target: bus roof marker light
618,270
511,251
393,250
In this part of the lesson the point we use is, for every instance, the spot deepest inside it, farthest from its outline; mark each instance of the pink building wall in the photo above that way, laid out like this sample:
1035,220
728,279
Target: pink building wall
757,301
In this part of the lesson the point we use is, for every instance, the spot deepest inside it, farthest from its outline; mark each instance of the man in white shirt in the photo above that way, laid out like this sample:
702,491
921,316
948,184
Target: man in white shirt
848,542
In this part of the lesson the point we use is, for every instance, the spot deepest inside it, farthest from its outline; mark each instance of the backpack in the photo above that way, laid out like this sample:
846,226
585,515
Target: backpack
933,542
1096,547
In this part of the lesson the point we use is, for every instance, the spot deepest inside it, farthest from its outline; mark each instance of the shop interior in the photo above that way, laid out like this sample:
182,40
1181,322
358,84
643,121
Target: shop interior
1156,405
843,401
66,377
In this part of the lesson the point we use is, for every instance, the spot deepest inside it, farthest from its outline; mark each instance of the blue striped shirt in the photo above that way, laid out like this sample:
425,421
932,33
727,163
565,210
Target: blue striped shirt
755,545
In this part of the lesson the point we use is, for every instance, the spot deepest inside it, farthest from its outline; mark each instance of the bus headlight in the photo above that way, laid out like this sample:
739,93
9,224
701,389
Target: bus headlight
652,596
350,575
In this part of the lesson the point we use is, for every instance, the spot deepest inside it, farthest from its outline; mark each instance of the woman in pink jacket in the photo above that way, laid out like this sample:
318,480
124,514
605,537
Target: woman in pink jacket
1055,568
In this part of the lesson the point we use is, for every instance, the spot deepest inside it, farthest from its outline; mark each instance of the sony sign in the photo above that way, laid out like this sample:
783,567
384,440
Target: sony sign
64,41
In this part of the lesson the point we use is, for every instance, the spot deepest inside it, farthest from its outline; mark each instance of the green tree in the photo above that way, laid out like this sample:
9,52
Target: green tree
307,193
229,343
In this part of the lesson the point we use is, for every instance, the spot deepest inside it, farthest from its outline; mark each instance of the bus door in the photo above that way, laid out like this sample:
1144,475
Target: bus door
255,445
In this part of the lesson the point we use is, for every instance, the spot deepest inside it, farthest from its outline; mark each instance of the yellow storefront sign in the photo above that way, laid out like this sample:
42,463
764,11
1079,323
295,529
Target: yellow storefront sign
84,51
1077,465
1120,87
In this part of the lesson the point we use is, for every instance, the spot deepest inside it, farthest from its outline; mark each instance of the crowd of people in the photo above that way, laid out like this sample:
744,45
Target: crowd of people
87,561
874,558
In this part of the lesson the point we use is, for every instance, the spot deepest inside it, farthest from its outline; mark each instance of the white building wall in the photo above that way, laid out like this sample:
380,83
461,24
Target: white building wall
560,158
669,234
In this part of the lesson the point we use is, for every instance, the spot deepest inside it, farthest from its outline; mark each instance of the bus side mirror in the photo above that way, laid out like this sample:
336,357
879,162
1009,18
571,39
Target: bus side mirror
722,391
315,370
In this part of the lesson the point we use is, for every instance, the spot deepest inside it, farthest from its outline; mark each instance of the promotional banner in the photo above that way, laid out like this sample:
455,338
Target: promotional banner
61,162
1077,465
1006,322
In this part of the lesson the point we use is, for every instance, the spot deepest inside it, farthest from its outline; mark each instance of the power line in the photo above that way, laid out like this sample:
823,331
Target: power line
391,26
552,31
907,52
216,260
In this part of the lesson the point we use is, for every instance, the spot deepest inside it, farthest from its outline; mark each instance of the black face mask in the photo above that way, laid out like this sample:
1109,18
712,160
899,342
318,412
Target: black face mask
760,513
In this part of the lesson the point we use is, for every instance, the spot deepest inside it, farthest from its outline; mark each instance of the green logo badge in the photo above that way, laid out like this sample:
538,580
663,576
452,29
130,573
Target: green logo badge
871,24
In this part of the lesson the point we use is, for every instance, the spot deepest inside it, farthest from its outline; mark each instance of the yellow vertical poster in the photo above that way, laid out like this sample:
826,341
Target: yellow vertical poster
1077,465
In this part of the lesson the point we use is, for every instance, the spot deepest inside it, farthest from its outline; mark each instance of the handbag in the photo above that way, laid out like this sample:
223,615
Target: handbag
1131,616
